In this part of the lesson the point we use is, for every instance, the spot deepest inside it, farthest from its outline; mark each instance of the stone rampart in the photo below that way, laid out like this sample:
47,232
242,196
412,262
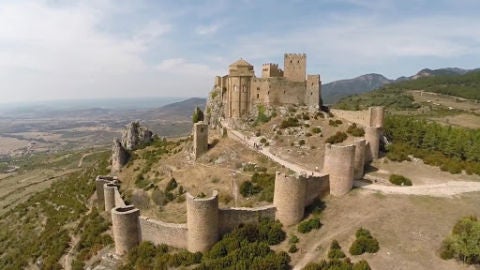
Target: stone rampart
118,199
100,181
159,232
289,198
202,222
359,161
357,117
373,117
317,186
125,227
231,218
339,164
109,195
372,136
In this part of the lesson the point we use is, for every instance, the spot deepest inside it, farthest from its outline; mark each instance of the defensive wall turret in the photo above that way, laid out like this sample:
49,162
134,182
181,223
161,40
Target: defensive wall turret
202,222
339,164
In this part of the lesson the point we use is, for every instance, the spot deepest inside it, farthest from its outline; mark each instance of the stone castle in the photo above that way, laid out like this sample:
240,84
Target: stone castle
206,222
242,91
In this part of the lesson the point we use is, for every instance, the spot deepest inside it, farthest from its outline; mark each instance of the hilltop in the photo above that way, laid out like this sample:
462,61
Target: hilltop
334,91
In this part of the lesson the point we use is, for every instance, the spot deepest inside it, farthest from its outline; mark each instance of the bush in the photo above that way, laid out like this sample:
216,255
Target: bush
197,115
399,180
263,140
293,248
301,142
258,133
361,265
335,251
355,131
337,138
316,130
171,185
293,239
462,243
248,189
290,122
334,123
364,243
308,225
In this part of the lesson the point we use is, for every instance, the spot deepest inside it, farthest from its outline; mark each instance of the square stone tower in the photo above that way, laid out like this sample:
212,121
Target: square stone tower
200,138
295,67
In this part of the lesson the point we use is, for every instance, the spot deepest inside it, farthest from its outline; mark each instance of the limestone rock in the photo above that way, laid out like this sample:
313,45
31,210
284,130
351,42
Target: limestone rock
135,135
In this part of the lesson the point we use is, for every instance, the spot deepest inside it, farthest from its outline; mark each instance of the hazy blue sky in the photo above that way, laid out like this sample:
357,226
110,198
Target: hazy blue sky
111,48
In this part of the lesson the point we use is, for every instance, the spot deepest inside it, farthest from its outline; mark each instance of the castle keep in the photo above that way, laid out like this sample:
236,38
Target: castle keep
242,91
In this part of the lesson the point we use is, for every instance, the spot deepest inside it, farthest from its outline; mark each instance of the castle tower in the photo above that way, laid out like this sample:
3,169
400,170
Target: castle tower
238,89
339,164
202,222
109,195
126,228
313,91
271,70
295,67
119,156
372,136
359,161
376,115
200,138
289,198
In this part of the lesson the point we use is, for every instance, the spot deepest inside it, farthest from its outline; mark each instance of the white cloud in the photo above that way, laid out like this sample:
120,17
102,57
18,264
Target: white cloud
207,29
183,67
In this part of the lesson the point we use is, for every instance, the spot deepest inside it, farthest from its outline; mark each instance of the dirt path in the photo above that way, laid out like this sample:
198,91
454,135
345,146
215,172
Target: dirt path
448,189
250,142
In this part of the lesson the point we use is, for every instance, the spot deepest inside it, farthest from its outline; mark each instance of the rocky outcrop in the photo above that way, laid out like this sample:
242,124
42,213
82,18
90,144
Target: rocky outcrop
119,156
135,135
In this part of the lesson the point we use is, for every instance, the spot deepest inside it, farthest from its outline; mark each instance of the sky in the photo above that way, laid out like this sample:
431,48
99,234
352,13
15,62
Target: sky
56,49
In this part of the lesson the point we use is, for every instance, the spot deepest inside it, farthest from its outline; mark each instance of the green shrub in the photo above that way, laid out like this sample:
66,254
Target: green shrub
399,180
334,123
364,242
197,115
316,130
171,185
335,251
462,243
355,131
290,122
293,239
248,189
258,133
308,225
361,265
301,142
337,138
292,249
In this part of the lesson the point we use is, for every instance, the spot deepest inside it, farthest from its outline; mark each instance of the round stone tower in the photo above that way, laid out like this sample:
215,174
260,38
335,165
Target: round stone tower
376,116
202,222
372,136
125,227
289,198
339,164
109,195
359,161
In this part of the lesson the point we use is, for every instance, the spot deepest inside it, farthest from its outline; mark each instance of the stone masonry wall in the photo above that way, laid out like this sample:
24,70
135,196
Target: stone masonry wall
358,117
159,232
232,217
339,164
317,186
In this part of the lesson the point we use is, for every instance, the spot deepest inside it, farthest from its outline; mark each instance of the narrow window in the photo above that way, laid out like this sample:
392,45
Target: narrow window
258,96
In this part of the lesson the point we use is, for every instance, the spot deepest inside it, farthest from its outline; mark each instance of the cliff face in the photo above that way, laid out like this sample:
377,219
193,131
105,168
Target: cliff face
135,135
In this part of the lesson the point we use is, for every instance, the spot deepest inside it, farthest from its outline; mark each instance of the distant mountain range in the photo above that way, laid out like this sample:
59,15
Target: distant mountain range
334,91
